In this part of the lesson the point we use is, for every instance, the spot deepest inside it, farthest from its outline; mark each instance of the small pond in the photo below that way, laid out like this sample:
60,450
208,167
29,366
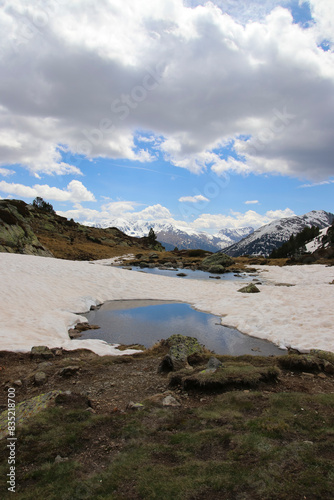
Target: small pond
146,322
192,275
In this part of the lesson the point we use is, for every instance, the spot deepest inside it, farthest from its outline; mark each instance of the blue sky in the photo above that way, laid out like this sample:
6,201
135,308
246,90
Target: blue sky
207,115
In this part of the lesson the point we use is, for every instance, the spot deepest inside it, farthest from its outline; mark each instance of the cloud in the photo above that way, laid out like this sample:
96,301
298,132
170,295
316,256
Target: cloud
193,199
235,220
323,14
128,211
125,210
6,172
251,202
323,183
193,76
75,191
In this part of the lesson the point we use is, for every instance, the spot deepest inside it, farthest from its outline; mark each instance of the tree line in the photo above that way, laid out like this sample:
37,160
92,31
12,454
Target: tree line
296,243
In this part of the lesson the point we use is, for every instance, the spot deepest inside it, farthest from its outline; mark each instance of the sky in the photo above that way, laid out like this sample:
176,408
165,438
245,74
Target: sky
208,115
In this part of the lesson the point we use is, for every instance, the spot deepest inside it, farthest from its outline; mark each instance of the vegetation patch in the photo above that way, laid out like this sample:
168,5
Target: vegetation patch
228,376
250,445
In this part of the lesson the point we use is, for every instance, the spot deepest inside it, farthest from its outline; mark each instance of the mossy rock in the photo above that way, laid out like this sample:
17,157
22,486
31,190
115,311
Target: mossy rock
181,344
217,269
227,377
249,289
217,259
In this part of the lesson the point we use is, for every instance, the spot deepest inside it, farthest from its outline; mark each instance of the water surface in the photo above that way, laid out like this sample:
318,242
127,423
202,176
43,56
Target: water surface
190,274
146,322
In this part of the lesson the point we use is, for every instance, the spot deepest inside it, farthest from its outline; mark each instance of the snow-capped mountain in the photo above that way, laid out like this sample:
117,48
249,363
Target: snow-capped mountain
182,237
265,239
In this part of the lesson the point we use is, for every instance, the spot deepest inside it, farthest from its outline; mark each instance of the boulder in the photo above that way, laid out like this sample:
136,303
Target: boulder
69,371
40,378
217,259
217,269
180,347
213,363
41,351
249,289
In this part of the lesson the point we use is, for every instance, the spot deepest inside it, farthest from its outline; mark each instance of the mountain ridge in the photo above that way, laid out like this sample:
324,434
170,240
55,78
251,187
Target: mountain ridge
271,236
183,237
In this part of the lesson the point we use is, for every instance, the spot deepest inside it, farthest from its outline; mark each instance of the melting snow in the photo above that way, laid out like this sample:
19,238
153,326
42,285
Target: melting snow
39,297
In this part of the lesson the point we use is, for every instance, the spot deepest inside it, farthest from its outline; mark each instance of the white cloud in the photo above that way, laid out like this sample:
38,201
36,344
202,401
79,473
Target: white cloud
323,14
251,202
323,183
6,172
235,220
193,199
75,191
127,211
194,77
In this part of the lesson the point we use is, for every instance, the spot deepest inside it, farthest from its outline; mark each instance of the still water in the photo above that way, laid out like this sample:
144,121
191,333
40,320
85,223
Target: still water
146,322
190,274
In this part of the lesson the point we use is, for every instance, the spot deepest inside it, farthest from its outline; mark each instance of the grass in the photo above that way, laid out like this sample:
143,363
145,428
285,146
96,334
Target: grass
243,445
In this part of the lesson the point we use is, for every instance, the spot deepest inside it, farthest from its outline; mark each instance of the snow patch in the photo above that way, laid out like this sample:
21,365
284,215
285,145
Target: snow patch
39,297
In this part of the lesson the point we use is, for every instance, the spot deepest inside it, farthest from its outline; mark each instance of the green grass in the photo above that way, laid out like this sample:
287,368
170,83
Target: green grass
244,445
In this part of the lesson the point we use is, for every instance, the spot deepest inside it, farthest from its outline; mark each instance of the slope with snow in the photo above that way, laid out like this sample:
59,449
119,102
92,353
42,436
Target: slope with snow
173,235
39,297
316,243
265,239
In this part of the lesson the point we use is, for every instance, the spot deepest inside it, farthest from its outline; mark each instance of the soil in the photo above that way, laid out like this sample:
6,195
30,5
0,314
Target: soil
112,382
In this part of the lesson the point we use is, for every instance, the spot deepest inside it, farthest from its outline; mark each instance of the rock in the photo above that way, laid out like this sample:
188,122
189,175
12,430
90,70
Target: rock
181,347
166,365
181,274
217,259
217,269
143,265
170,401
249,289
73,333
153,255
18,383
40,378
41,351
59,459
215,277
213,363
328,367
58,352
69,371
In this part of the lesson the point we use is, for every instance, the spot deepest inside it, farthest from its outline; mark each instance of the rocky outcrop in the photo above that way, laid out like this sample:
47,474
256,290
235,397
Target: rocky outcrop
181,348
28,229
217,263
16,234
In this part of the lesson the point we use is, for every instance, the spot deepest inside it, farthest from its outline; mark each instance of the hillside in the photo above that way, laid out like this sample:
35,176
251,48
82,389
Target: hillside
271,236
26,229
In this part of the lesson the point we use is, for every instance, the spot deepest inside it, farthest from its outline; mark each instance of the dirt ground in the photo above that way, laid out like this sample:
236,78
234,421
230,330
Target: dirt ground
111,383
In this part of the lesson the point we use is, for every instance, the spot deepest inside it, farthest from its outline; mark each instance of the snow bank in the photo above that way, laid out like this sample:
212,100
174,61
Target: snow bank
39,297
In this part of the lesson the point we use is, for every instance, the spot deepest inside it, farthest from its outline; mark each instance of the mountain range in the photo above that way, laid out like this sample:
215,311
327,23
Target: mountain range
265,239
234,242
182,237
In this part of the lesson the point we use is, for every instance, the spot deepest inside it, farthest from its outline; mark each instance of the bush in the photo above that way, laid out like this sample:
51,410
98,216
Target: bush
43,205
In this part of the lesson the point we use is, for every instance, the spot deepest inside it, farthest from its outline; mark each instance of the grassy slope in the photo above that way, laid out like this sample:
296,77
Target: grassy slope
273,442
